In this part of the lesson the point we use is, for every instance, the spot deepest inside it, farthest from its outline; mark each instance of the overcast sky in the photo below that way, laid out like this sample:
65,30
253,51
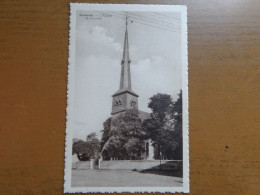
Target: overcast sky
155,55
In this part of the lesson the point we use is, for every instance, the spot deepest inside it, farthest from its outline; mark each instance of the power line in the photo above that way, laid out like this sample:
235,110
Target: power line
154,26
148,23
165,16
145,20
143,23
154,19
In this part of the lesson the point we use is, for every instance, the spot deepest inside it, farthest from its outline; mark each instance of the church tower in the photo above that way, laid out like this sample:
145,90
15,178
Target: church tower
124,98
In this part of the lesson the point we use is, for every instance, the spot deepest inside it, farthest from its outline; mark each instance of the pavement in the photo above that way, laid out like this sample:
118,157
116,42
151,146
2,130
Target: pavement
121,178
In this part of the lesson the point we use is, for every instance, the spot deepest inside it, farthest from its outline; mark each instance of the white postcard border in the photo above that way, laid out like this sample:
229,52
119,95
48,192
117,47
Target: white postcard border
71,61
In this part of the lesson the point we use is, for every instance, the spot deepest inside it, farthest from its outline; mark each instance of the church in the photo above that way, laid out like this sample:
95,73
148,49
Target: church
125,98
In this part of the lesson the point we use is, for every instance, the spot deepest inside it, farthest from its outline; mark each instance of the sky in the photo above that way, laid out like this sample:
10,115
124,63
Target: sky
155,54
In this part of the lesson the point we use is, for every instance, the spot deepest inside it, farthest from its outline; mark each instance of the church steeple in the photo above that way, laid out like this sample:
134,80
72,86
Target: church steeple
124,98
125,80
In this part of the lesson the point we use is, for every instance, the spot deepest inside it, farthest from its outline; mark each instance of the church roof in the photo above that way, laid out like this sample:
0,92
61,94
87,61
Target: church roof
120,91
144,115
125,79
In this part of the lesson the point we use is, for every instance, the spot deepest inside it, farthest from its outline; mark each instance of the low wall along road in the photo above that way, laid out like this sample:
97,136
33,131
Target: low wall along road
83,165
129,164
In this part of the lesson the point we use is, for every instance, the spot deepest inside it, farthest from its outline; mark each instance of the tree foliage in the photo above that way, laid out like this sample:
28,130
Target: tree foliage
125,137
88,149
105,132
165,126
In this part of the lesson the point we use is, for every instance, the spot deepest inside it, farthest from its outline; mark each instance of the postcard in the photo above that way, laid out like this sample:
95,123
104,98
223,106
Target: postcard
127,107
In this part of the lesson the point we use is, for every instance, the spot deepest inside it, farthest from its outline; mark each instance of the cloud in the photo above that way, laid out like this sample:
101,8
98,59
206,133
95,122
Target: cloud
100,35
96,41
155,67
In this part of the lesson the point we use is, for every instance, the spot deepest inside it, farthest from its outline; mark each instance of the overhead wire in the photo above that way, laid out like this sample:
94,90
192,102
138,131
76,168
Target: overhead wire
144,22
154,26
167,22
164,16
153,22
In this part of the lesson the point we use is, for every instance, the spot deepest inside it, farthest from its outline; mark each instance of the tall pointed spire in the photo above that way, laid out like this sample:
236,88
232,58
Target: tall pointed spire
124,98
125,81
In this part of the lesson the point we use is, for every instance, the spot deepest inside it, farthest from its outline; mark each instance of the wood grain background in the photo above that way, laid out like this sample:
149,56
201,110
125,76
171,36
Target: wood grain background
224,92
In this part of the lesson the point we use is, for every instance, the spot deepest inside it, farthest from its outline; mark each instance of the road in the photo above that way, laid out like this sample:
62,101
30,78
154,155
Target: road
121,178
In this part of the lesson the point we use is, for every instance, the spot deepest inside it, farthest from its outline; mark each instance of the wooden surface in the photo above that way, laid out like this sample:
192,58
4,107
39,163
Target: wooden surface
224,92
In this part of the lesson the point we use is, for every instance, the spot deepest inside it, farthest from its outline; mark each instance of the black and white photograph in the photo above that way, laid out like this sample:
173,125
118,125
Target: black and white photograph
127,99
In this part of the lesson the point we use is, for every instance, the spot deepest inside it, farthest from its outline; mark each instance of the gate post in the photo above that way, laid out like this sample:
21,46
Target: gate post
92,163
99,163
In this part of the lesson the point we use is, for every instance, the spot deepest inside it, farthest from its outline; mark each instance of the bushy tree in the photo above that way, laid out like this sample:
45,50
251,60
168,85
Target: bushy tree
88,149
125,139
177,115
105,132
135,148
165,126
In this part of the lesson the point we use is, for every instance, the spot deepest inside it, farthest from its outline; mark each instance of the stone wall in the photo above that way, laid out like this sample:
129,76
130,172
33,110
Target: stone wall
83,165
135,164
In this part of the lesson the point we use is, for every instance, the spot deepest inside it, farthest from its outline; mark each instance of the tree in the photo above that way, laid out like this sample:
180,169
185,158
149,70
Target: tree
135,148
88,149
160,104
105,132
177,115
165,125
94,145
125,138
82,149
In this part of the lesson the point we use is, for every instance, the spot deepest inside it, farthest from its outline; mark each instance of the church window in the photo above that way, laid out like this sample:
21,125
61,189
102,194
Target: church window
133,103
118,102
